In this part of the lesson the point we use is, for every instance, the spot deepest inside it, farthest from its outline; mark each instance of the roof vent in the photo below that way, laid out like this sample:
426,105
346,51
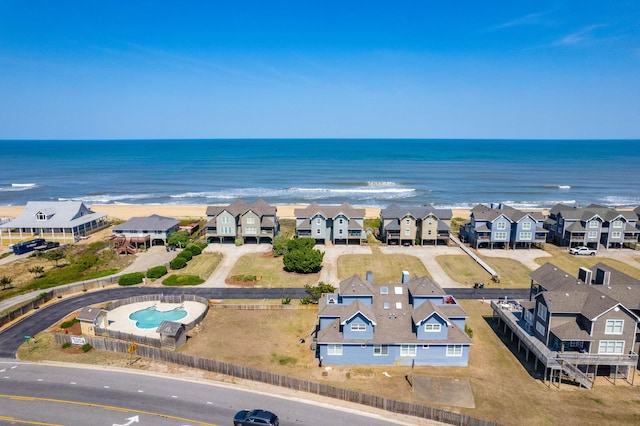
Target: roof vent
602,296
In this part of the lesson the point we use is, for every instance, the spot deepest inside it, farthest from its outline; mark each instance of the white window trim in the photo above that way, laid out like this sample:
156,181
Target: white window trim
502,235
613,323
454,350
525,235
358,327
334,349
433,328
541,328
542,311
407,350
526,226
593,224
616,343
617,224
380,350
501,226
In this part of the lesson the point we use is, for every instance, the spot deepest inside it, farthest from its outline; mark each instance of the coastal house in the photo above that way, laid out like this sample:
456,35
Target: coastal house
59,221
147,231
411,323
251,222
591,226
420,225
341,224
499,225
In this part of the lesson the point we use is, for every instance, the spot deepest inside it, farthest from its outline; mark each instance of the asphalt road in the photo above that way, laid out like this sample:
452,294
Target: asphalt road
12,337
47,394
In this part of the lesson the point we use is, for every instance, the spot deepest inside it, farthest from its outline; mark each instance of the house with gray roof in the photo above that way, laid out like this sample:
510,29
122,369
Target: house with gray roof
580,326
252,222
343,224
420,225
148,231
60,221
499,225
411,323
592,226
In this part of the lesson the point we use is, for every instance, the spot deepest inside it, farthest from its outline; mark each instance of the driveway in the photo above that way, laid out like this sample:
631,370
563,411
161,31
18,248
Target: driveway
428,257
329,272
230,255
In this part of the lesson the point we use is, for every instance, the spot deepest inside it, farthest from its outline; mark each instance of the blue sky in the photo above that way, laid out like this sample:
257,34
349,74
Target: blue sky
319,69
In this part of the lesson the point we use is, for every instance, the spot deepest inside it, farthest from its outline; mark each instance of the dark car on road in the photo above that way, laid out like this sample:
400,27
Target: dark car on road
255,417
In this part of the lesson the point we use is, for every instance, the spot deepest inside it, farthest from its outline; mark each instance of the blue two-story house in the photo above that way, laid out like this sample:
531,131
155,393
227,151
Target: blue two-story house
499,225
411,323
341,224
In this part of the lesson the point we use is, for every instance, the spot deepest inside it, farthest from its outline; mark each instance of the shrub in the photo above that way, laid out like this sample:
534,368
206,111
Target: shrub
194,249
178,263
303,261
131,279
316,292
180,280
66,345
468,330
186,254
157,271
286,300
86,347
238,242
69,323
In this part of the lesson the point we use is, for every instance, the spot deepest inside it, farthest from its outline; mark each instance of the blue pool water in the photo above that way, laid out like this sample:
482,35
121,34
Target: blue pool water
151,317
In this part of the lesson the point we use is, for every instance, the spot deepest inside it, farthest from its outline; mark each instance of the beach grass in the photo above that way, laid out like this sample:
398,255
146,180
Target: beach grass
201,265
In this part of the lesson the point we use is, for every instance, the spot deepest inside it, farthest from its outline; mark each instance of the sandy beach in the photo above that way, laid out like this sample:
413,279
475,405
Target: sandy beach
183,211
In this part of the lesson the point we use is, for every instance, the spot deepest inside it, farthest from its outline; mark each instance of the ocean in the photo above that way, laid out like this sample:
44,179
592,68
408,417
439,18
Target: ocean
363,172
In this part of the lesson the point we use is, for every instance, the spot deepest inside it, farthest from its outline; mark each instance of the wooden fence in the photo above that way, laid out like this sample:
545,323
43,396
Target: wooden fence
247,373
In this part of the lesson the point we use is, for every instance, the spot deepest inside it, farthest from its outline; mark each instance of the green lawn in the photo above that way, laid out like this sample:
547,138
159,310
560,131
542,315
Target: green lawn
386,268
463,269
272,271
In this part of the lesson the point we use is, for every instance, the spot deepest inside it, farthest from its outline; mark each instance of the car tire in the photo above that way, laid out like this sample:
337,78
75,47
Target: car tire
592,254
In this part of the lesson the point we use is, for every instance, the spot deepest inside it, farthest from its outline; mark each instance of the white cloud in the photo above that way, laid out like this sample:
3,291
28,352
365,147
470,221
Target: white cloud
581,36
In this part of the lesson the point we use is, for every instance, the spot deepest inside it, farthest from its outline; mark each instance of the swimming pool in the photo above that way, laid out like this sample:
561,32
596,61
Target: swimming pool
151,317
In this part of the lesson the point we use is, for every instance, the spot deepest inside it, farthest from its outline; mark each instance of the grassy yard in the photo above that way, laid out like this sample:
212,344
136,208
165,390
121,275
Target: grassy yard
202,265
571,264
272,271
512,273
386,268
463,269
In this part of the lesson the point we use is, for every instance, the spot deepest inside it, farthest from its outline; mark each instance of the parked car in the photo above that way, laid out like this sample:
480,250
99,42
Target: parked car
255,417
583,250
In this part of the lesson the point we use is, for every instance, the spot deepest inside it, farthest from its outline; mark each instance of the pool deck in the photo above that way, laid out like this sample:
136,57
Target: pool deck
119,317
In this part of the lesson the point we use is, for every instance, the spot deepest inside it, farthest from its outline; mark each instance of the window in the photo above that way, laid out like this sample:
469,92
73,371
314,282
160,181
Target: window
617,224
250,230
501,225
408,221
386,305
592,234
340,231
318,231
429,232
614,327
407,350
397,290
611,347
430,221
407,231
334,349
398,305
526,226
542,311
41,216
318,221
525,235
500,235
225,230
616,234
358,327
224,219
593,224
380,350
432,328
251,220
540,328
384,290
454,350
575,344
340,221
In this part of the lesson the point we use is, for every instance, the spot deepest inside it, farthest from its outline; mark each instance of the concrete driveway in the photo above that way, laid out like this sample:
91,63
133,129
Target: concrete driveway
230,255
329,272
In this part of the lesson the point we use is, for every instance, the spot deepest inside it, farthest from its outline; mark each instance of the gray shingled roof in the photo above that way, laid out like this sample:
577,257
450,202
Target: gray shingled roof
89,313
151,223
355,285
60,214
419,212
239,207
169,328
330,211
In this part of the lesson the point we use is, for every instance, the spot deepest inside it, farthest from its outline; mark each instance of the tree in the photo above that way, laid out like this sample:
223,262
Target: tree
301,243
179,239
55,255
303,261
280,245
5,281
37,271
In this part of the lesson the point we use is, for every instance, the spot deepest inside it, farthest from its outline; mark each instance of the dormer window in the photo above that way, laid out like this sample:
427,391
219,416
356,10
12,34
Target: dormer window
41,216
